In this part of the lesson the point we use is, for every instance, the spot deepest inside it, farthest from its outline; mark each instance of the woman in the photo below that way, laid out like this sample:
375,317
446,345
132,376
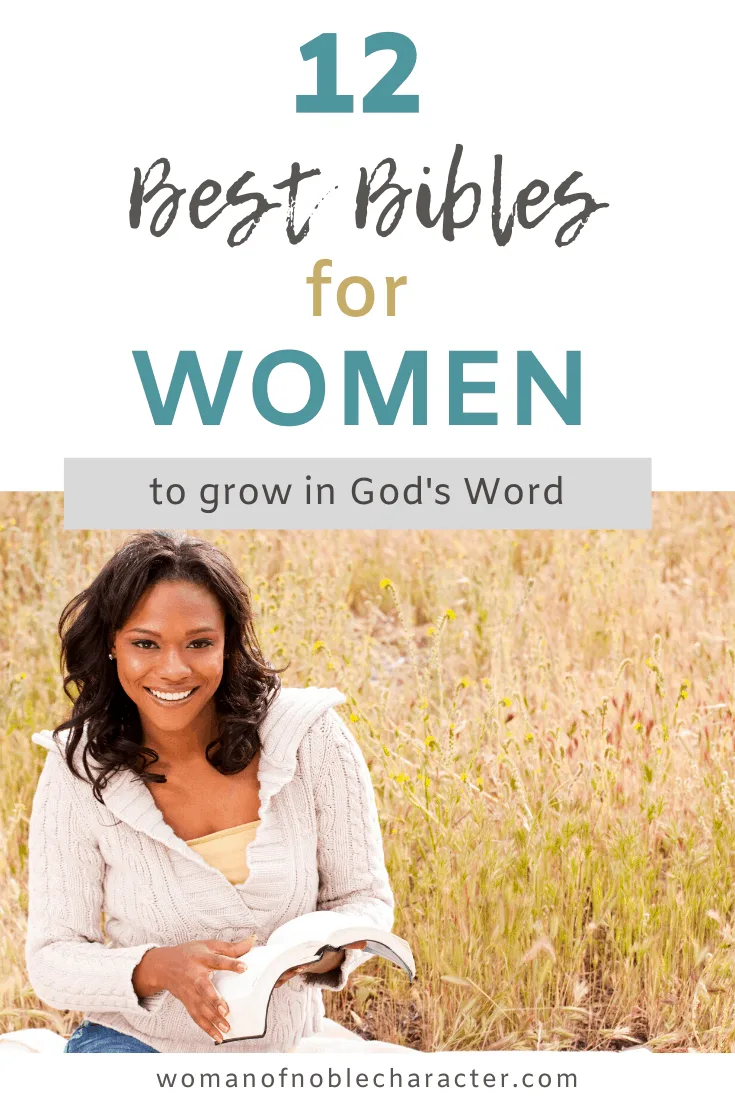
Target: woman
196,805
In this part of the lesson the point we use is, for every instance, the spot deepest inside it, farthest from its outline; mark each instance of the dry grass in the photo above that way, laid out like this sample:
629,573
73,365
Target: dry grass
549,720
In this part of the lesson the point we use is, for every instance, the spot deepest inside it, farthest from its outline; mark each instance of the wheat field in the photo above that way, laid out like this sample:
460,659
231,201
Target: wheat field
550,725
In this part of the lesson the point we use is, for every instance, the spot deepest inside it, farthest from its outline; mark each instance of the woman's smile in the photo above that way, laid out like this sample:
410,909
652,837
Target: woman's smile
167,696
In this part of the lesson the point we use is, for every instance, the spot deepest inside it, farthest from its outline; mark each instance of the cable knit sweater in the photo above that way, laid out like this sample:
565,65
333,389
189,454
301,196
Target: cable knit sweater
318,847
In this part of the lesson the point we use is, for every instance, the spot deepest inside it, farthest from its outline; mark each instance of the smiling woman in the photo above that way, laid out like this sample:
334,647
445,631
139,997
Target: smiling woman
171,671
196,803
172,615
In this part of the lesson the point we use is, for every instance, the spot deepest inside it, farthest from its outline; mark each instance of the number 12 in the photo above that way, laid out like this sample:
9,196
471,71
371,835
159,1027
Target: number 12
381,99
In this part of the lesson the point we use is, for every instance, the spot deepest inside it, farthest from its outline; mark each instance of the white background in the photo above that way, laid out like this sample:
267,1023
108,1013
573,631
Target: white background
636,95
600,1076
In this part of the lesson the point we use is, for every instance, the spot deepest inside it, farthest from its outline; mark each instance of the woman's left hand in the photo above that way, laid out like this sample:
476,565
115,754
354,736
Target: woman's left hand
328,962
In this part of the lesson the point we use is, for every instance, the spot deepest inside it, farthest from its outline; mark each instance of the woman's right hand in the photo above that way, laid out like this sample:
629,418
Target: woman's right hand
186,971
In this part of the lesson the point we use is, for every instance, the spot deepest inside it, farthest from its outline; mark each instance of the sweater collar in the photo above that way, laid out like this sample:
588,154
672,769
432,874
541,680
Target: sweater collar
290,715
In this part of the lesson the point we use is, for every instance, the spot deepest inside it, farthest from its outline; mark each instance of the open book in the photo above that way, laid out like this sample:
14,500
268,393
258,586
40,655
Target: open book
303,940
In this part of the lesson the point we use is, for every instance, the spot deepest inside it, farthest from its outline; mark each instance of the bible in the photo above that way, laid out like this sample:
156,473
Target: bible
303,940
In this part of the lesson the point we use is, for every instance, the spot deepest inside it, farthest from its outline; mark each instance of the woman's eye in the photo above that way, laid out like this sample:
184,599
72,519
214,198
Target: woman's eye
144,644
199,644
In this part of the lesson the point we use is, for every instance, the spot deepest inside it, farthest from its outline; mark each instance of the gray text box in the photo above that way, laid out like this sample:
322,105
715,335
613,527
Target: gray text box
336,493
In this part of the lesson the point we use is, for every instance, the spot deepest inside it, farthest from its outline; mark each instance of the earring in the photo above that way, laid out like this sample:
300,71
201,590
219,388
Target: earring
111,657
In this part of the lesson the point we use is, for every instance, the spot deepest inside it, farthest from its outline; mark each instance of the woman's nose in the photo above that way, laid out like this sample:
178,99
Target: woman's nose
173,664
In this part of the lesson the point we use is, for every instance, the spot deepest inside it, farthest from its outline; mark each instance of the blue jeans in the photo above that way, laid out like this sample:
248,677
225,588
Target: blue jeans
90,1037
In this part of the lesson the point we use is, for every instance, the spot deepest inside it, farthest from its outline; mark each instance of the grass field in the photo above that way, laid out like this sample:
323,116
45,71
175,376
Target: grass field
549,722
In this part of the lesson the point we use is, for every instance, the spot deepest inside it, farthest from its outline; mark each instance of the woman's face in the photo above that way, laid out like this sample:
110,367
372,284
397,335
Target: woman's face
170,653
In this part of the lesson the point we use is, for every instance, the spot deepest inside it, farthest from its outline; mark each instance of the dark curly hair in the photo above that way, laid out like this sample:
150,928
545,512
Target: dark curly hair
101,707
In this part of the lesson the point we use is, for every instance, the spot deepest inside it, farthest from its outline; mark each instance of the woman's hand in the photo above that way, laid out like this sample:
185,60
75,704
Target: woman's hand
186,971
330,960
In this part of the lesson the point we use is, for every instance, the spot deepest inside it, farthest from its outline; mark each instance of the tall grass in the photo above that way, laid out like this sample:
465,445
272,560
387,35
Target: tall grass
549,722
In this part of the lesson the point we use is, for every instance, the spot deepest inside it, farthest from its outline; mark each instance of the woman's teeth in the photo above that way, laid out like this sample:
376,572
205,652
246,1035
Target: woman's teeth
170,696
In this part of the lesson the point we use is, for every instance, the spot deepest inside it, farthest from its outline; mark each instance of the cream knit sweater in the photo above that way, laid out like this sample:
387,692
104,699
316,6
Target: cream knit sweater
318,847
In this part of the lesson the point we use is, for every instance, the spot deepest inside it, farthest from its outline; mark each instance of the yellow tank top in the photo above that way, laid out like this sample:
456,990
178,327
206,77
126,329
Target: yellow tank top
226,850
